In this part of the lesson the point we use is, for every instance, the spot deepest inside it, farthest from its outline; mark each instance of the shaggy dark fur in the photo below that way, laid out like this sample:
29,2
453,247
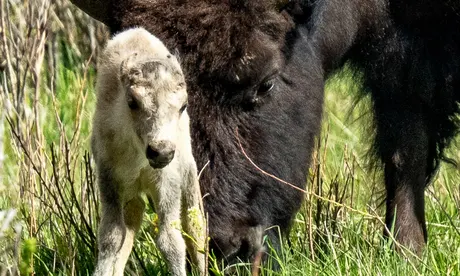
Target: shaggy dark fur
233,50
409,52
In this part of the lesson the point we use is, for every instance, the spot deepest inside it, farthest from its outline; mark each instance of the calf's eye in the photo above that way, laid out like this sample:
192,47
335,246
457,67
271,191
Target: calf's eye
135,73
132,103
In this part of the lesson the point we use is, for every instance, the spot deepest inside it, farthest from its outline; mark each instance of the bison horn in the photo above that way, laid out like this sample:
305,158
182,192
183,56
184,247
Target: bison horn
97,9
281,4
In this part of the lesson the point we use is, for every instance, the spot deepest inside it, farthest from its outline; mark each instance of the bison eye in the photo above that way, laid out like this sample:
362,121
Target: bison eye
265,87
181,110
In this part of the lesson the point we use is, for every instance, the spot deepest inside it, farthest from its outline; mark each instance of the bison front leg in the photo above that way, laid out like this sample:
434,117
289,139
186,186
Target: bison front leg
404,145
118,226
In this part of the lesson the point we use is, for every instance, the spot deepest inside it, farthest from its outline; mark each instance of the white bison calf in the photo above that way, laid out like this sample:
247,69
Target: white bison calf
141,144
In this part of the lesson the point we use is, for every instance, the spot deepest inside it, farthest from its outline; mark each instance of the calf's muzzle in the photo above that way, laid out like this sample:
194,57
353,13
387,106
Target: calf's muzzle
160,153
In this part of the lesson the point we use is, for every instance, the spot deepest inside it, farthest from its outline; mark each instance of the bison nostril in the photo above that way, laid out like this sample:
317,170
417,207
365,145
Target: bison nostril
165,156
152,153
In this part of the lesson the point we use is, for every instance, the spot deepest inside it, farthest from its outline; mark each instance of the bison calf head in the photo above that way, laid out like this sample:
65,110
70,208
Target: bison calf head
155,97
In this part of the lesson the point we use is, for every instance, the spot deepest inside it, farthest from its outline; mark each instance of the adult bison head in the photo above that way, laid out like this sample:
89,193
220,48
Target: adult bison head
249,70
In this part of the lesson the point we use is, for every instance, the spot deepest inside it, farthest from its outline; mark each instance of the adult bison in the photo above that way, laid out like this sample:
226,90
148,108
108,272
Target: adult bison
259,67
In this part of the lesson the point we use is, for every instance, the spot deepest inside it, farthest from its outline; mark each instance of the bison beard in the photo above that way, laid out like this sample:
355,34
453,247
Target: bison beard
408,52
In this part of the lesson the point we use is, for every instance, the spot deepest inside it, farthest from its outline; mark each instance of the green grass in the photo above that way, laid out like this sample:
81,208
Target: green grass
342,239
48,178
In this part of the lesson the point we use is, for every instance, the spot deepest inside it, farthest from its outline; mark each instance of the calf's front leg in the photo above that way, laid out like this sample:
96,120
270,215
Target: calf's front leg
169,239
119,224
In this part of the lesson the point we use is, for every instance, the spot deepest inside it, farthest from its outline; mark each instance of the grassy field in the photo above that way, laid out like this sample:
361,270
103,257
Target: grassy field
48,198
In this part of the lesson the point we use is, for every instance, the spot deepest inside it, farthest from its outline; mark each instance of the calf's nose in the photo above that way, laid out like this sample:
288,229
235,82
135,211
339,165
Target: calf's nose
160,153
